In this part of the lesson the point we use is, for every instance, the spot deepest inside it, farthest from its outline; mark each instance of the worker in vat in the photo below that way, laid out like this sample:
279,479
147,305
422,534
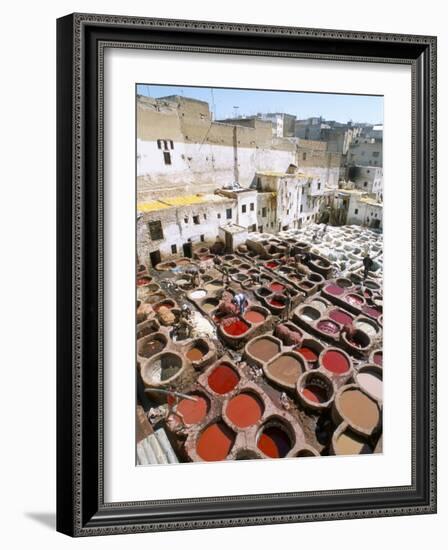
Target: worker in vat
225,275
287,309
195,277
349,331
241,302
184,327
368,264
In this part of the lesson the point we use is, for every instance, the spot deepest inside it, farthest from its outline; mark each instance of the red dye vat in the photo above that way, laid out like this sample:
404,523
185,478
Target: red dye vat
277,287
192,412
314,393
308,354
354,299
223,379
215,442
371,311
271,265
336,362
274,442
254,316
335,290
378,358
143,281
328,327
276,303
244,410
234,326
340,317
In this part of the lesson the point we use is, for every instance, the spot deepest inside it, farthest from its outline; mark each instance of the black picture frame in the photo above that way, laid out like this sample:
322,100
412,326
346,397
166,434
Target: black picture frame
81,39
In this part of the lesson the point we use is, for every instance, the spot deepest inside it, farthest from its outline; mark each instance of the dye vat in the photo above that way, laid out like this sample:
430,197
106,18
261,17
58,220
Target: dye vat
354,300
315,388
368,327
340,317
142,281
285,370
161,368
234,326
195,354
328,327
254,316
275,302
307,452
244,410
358,339
371,312
263,349
198,294
334,290
271,265
335,361
370,379
274,441
151,345
277,287
309,314
193,411
209,305
349,443
378,358
359,410
310,355
223,379
215,442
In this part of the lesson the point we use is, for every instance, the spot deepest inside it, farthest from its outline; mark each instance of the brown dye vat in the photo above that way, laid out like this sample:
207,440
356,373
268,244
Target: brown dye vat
195,354
151,347
358,409
274,442
215,442
193,412
209,306
349,443
244,410
286,368
254,316
223,379
263,349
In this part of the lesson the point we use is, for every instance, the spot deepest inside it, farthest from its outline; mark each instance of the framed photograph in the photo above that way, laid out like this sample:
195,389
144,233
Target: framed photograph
246,274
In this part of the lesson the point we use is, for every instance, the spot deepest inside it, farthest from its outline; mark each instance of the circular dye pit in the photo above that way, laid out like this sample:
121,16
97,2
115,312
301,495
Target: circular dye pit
371,381
197,294
209,305
303,453
316,388
368,327
335,361
340,317
142,281
309,314
378,358
277,287
167,304
254,316
151,346
182,282
371,312
263,292
263,349
244,410
334,290
354,300
274,441
349,443
215,442
234,326
328,327
196,353
308,354
275,302
164,367
271,265
285,370
223,379
193,412
359,410
358,340
344,283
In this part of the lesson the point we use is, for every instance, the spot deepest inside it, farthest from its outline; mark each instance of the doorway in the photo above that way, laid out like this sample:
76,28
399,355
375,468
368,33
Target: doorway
155,258
188,250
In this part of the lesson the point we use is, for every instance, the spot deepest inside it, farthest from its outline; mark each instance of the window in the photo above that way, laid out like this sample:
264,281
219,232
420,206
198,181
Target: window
165,144
303,156
243,208
202,238
264,211
318,186
186,220
205,216
356,210
196,220
229,213
252,206
159,144
172,144
155,230
167,157
365,184
375,154
173,249
301,208
218,216
368,171
287,212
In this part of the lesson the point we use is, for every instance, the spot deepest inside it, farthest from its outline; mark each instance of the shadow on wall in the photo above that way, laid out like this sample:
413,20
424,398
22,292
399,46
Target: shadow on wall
47,519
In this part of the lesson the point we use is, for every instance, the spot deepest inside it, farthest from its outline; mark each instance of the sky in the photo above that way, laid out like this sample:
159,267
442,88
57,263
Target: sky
234,102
